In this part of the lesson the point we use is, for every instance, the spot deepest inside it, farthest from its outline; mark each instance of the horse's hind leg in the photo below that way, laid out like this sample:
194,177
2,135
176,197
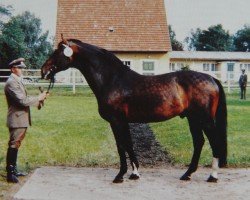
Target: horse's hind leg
124,144
198,142
211,135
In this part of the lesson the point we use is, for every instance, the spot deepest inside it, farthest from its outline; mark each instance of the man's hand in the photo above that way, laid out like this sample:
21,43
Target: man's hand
42,96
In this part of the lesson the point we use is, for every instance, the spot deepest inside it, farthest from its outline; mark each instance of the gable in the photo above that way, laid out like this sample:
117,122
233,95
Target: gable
118,26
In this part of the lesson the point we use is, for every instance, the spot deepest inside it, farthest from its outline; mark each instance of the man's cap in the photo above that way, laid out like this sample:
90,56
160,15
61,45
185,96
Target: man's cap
17,63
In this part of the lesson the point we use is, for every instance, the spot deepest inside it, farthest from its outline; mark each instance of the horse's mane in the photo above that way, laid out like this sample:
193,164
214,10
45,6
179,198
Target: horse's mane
98,50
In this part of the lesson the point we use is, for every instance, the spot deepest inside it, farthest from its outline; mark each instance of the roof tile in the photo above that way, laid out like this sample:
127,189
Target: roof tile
117,25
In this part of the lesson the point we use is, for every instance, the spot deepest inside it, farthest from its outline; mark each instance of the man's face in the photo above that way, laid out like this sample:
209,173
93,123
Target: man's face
17,71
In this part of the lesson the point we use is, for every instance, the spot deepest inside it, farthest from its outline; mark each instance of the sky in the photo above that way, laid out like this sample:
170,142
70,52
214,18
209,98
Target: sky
46,10
183,15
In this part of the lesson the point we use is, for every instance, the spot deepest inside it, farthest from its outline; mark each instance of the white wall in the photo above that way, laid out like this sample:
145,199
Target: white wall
161,61
222,73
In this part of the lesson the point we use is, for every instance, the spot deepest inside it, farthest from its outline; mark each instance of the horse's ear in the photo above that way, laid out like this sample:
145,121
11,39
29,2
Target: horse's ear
68,52
63,40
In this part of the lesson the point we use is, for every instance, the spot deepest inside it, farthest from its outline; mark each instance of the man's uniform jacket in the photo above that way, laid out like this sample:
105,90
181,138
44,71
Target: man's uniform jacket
18,103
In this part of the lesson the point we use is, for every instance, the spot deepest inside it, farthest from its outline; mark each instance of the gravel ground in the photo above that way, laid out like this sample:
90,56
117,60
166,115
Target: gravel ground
61,183
149,152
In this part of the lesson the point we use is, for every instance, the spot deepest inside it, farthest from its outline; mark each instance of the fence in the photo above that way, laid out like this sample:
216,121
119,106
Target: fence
73,77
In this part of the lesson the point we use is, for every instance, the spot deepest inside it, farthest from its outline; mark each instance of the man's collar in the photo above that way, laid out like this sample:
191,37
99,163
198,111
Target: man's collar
18,78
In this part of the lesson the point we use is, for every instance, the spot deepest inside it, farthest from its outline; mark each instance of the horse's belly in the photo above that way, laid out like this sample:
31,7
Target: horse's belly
145,118
144,115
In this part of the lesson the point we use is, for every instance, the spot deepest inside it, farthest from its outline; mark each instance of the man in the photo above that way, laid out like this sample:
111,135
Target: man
18,117
243,84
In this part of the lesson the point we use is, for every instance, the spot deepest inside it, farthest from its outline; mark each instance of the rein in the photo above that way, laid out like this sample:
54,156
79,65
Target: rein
51,84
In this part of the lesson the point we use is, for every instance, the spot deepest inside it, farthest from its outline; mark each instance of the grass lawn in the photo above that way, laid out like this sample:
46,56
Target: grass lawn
69,131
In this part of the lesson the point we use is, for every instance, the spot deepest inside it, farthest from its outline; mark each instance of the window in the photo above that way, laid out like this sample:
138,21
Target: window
210,67
246,66
148,67
230,67
179,66
172,67
205,66
127,63
213,67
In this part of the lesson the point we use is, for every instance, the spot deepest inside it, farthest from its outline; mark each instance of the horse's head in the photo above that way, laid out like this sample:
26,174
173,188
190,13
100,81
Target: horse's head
61,59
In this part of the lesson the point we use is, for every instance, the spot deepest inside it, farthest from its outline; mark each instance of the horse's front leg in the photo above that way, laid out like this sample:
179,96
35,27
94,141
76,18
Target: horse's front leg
124,144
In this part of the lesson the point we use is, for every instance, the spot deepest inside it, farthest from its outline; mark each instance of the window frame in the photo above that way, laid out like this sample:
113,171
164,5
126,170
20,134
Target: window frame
149,72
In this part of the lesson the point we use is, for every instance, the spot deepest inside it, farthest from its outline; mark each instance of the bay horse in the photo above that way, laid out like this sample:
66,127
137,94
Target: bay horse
124,96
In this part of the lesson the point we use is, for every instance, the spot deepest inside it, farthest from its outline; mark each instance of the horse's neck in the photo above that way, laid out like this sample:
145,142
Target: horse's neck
98,77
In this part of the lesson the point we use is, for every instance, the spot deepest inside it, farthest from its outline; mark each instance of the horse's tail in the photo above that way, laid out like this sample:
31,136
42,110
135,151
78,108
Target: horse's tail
221,125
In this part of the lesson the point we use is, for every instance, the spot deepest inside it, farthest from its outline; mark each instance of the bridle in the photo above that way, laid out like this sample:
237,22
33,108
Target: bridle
68,52
52,79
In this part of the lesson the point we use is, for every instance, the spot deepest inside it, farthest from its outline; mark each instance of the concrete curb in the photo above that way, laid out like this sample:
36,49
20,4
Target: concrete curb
61,183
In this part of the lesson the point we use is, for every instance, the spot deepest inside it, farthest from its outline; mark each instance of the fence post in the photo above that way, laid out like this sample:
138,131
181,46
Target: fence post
74,81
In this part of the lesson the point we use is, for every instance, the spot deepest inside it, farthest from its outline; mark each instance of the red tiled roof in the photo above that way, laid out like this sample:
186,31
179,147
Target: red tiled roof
117,25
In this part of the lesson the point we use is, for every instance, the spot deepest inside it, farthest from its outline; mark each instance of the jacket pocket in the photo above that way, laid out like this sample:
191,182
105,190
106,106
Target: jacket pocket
20,113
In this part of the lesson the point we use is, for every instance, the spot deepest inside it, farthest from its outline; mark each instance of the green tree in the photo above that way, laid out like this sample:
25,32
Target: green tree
241,39
4,11
22,37
213,39
176,45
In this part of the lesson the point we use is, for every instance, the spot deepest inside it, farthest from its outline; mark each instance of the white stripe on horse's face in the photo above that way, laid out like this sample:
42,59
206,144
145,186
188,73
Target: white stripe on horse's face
135,170
215,167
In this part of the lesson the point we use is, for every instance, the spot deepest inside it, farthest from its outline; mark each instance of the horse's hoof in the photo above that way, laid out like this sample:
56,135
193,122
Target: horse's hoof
185,178
211,179
118,180
134,177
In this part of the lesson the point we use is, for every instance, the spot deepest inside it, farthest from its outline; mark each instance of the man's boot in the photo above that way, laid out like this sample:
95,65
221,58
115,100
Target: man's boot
16,172
10,161
11,178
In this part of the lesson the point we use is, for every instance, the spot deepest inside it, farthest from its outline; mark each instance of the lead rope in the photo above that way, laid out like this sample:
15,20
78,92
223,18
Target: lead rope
51,85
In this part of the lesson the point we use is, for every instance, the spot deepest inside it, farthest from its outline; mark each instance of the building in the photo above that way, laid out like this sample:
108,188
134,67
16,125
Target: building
136,31
222,65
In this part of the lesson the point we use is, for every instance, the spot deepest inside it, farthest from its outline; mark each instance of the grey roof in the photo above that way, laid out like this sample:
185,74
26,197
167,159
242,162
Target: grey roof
209,55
